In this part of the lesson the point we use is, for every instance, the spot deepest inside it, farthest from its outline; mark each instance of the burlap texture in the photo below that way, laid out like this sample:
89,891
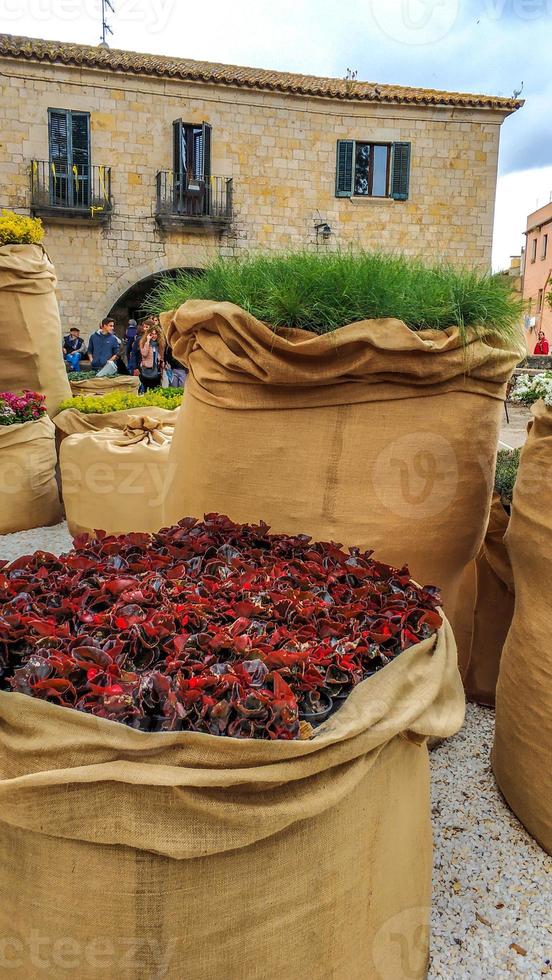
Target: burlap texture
222,857
492,608
28,490
522,752
114,480
30,327
103,386
372,435
72,422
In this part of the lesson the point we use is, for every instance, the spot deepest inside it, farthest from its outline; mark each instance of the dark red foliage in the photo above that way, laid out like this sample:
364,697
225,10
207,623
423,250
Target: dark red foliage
208,627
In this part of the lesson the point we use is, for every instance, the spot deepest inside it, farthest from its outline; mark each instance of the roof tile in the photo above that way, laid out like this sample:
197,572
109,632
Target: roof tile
130,62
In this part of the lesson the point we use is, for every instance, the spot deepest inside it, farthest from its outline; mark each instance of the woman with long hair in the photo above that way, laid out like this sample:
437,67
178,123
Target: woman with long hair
152,355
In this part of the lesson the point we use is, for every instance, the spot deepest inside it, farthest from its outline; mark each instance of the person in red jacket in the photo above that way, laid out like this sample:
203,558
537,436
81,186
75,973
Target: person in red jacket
542,347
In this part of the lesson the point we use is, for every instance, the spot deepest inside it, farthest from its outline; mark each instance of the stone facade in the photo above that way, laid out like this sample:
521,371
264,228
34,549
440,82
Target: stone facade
280,151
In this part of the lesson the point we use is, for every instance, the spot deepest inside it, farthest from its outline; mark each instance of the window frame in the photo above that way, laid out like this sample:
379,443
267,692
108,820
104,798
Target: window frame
372,144
534,249
62,185
544,248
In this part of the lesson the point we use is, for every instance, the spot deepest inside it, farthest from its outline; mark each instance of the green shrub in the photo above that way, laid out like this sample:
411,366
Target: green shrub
323,292
507,463
81,375
115,401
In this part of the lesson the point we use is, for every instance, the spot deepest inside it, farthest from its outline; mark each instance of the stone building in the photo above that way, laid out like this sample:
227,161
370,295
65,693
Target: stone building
141,164
537,274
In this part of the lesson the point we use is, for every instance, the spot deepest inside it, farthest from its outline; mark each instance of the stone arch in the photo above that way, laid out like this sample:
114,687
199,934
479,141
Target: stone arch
136,274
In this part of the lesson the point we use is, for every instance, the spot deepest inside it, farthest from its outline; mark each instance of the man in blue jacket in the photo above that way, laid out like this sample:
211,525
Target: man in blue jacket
103,345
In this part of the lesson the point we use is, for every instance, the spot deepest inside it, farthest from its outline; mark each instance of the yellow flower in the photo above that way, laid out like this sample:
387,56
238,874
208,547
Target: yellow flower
16,229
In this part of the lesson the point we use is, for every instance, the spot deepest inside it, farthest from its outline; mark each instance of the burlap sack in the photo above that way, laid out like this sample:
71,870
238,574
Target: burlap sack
185,855
522,753
114,480
103,386
492,608
372,435
28,490
30,328
72,422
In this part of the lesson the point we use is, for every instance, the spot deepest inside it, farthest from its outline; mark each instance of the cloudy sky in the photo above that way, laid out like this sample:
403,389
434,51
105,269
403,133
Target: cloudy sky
470,45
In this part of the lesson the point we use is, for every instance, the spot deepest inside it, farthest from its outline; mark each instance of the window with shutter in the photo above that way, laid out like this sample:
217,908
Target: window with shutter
344,168
372,169
400,176
69,152
191,167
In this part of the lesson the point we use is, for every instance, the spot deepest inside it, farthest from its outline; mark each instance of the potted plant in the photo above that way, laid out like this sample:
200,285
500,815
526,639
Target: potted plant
90,413
358,396
28,488
488,588
523,740
151,733
29,316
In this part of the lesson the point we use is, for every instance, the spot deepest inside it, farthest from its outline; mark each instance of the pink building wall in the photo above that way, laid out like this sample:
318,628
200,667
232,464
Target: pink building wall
537,277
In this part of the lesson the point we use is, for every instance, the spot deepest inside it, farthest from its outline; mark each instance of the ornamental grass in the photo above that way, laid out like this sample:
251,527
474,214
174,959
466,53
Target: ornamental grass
321,293
115,401
208,626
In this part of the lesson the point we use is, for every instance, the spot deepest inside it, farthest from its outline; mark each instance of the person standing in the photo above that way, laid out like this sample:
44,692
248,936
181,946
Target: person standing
130,337
152,349
104,347
543,347
73,348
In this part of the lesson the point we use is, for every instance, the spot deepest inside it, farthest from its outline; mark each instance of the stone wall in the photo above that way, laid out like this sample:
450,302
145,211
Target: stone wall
280,151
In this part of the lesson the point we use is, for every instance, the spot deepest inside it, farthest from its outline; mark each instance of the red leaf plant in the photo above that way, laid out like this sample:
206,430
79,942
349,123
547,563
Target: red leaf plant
208,626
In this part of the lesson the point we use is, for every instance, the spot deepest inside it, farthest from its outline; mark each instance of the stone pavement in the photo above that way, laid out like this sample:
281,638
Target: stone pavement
514,434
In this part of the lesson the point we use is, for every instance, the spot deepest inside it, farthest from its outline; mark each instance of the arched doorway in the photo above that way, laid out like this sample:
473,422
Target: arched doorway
133,302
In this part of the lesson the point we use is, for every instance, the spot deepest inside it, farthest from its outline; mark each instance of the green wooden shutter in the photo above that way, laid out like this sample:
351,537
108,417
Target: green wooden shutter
345,171
400,171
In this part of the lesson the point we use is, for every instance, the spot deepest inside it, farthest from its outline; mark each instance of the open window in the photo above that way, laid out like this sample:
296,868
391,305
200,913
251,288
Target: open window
367,169
191,167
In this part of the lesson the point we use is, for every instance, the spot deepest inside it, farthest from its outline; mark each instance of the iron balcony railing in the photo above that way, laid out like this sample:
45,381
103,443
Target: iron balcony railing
195,200
62,187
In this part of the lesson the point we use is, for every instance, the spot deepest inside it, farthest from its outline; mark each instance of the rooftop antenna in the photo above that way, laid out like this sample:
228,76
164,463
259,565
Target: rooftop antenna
106,29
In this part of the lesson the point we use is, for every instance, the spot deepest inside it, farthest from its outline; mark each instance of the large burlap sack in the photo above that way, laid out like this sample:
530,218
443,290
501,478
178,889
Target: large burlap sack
114,480
372,435
492,608
30,327
522,753
72,422
190,855
103,386
28,490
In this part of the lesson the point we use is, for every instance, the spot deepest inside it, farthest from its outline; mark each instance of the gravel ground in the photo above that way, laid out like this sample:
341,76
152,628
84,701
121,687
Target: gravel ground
492,898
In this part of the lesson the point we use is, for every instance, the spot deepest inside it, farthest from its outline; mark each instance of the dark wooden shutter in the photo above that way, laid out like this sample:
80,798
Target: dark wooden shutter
400,171
206,151
178,162
80,139
59,143
345,170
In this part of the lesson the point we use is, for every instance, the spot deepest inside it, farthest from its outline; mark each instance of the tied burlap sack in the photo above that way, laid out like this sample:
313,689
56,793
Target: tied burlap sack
178,855
30,327
522,753
114,480
72,422
103,386
372,435
28,490
492,608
